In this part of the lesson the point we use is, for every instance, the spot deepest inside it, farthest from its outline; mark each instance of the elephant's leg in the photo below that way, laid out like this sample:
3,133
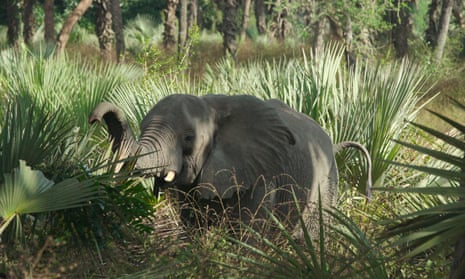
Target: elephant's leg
327,189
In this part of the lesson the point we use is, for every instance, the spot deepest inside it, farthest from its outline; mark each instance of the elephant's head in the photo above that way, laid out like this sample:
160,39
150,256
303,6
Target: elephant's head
187,140
176,136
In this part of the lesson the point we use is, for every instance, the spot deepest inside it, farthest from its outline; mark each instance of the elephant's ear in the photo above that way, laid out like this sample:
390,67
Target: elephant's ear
250,145
116,121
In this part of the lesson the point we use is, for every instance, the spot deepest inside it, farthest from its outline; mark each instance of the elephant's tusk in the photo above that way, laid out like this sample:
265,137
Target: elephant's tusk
169,177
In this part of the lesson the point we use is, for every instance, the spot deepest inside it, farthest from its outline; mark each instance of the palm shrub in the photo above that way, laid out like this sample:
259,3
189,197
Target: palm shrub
30,135
72,85
357,256
44,109
439,225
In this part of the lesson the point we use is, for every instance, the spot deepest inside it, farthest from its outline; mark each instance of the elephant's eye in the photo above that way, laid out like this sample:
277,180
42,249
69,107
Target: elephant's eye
188,143
189,138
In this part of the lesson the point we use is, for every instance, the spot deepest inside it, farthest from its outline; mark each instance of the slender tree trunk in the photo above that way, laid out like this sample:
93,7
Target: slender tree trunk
169,34
245,19
182,32
280,24
117,25
13,23
260,16
320,25
446,12
68,26
229,27
431,33
402,29
457,11
49,22
28,21
319,34
192,14
351,59
103,28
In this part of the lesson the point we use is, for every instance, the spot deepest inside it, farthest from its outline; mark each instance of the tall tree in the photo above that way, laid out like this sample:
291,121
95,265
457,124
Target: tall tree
169,34
279,27
103,28
431,33
182,31
446,11
13,23
192,14
402,25
28,21
260,16
245,18
319,29
229,27
117,25
49,21
68,25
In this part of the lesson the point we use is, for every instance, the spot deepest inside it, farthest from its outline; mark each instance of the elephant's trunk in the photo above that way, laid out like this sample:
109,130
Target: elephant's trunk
118,126
164,154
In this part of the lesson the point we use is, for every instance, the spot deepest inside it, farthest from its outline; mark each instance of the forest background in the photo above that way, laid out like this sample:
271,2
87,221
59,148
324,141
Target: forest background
389,59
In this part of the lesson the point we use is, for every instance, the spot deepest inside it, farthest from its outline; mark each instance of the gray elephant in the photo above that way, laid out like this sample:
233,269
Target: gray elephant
231,152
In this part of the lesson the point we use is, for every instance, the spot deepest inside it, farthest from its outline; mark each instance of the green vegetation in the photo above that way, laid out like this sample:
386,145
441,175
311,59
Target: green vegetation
65,213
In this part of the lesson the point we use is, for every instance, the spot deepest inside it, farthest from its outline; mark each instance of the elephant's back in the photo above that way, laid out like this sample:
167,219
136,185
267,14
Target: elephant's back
312,151
305,129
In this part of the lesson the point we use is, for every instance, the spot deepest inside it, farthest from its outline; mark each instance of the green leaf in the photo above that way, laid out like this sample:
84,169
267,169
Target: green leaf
28,191
443,156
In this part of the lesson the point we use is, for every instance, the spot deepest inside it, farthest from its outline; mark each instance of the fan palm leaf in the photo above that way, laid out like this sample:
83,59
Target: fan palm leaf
442,224
29,133
26,191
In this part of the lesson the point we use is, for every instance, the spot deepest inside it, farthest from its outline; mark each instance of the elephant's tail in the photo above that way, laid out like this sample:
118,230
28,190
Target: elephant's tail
346,144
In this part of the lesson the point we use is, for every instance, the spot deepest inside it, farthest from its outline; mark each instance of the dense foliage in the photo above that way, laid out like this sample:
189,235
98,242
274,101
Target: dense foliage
59,194
70,153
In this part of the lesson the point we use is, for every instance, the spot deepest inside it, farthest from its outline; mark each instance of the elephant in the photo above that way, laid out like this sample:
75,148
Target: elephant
238,151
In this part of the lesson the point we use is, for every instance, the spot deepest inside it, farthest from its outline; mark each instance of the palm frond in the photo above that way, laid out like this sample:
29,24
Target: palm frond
27,191
439,225
311,256
29,133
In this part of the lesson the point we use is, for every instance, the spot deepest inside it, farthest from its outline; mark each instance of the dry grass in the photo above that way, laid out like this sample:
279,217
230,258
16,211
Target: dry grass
448,87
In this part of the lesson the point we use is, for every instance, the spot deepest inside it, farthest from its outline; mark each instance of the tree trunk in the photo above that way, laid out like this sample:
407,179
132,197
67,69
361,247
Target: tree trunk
192,14
279,26
446,12
245,19
260,16
182,32
402,23
68,26
457,11
103,28
431,33
351,59
169,34
28,21
319,33
117,25
13,23
49,22
229,27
